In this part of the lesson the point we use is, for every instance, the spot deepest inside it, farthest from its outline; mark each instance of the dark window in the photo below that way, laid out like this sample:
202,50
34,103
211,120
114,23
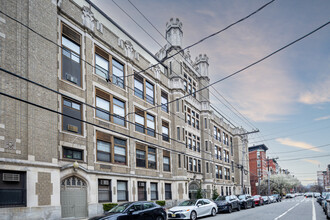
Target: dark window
190,164
101,63
206,146
71,67
12,188
178,133
122,193
164,101
165,131
154,191
145,158
70,153
145,122
168,191
199,167
207,167
179,160
104,190
72,109
166,161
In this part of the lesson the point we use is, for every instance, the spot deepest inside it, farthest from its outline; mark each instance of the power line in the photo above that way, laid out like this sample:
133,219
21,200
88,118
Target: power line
246,67
299,158
209,36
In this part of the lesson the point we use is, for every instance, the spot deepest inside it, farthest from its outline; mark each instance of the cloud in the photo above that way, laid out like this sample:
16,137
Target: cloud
316,162
319,93
322,118
297,144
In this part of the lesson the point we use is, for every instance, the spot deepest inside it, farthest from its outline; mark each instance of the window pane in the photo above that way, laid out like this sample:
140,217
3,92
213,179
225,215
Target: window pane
118,102
71,45
150,121
164,103
139,119
165,130
150,93
101,66
101,103
118,110
120,154
140,158
138,88
76,106
103,146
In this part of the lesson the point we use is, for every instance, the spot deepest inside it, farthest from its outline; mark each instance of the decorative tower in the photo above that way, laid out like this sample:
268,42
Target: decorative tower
202,65
174,32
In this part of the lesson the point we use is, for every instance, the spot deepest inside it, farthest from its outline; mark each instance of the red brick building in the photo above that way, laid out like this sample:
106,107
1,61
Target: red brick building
258,165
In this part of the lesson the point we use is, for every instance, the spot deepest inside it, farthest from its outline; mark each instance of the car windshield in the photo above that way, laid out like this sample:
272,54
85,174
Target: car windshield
188,203
265,197
222,198
120,208
256,197
242,197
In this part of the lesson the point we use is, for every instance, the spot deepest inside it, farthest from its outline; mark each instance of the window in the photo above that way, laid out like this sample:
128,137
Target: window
110,108
144,122
154,191
166,161
220,172
139,86
199,166
258,154
258,163
165,132
12,188
231,146
71,67
179,160
224,137
217,171
259,172
101,63
190,164
198,147
110,149
219,154
122,193
215,132
192,118
104,192
216,152
164,101
178,133
145,156
207,167
72,109
206,146
195,165
194,145
70,153
168,191
177,105
117,73
144,89
232,167
205,123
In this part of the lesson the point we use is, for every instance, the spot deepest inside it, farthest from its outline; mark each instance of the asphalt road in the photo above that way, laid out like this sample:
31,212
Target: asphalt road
298,208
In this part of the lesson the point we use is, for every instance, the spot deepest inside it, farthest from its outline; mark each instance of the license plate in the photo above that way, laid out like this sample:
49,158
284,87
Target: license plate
173,215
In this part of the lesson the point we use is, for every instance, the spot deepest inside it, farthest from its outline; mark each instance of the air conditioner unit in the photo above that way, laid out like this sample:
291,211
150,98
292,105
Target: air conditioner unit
11,177
71,78
72,128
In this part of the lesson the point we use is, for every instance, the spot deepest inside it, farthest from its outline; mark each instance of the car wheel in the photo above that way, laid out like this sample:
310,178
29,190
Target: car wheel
193,215
159,218
253,205
213,212
239,207
230,209
245,206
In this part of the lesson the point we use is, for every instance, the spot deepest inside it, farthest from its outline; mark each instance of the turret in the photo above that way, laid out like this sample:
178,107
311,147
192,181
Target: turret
174,32
202,65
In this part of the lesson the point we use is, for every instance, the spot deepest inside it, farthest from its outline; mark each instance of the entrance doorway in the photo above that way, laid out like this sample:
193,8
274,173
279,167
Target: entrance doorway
73,198
193,188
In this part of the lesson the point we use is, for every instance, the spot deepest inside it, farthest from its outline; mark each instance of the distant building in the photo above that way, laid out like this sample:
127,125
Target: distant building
258,166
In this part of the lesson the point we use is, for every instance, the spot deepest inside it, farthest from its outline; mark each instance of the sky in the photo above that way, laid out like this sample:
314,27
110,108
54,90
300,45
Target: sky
287,97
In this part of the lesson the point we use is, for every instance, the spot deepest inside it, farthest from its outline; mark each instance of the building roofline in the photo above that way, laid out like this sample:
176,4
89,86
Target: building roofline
125,32
258,147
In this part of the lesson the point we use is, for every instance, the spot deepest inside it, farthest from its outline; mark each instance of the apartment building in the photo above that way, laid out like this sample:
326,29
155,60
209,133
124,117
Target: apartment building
258,166
90,127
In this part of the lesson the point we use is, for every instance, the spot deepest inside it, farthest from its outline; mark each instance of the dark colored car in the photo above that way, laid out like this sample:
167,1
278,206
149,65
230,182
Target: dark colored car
266,200
227,203
258,200
134,211
246,201
277,197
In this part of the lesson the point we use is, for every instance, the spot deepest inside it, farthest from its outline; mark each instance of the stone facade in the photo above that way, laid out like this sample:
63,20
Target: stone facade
42,145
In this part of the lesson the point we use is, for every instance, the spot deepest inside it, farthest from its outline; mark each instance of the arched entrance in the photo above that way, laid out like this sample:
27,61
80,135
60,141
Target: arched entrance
73,197
193,187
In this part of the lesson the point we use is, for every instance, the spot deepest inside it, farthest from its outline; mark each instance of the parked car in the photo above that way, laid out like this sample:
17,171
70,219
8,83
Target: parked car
258,200
308,194
134,210
322,197
290,196
266,200
272,199
325,204
328,207
227,203
246,201
193,209
277,197
316,195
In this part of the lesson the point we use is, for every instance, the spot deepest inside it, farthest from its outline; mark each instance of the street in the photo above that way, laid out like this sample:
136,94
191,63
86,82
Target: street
297,208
